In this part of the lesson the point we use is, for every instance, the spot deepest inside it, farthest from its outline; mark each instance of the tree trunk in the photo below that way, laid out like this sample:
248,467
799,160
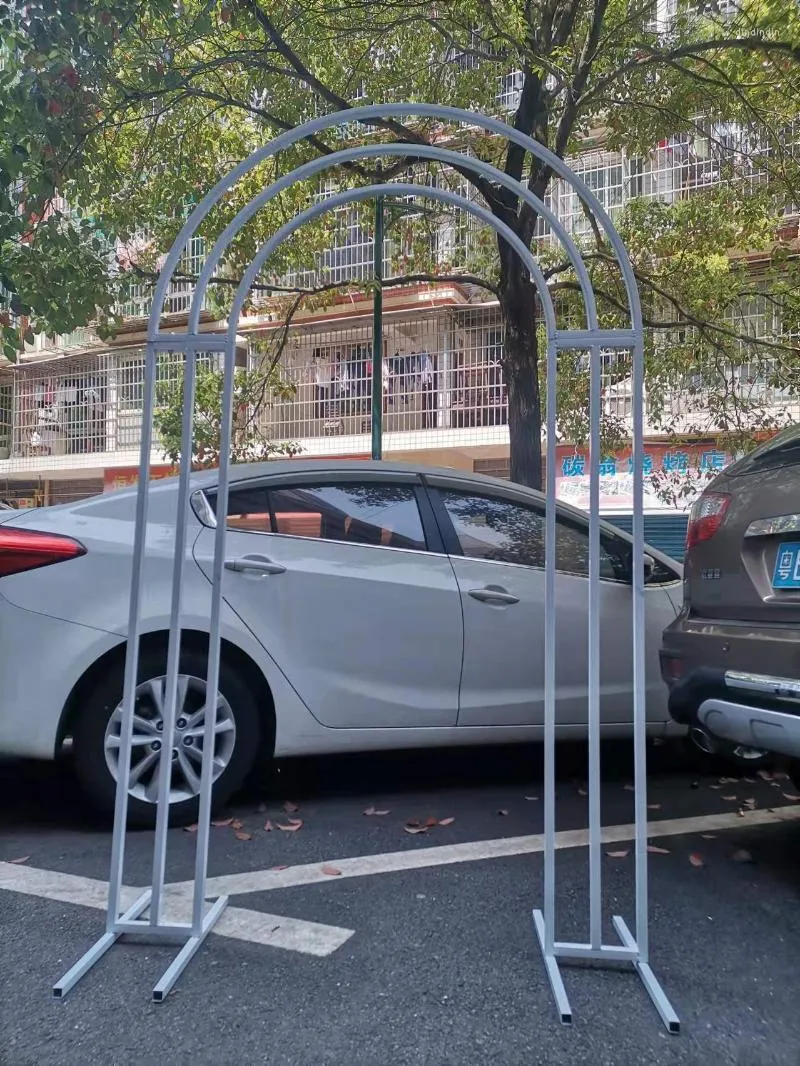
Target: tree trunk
521,370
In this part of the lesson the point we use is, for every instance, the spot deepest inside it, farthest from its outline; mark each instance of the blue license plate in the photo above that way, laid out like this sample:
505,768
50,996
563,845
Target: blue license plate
786,574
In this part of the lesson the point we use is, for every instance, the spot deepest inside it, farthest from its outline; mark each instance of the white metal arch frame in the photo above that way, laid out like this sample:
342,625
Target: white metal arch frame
593,339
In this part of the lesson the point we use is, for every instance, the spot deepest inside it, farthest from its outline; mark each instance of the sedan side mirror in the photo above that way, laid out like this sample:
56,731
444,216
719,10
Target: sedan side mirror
648,562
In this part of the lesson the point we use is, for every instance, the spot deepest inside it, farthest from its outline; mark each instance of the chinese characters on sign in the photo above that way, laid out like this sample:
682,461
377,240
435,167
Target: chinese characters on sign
121,477
671,462
616,473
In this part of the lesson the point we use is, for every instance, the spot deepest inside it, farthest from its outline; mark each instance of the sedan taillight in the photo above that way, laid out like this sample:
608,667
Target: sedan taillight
27,549
706,517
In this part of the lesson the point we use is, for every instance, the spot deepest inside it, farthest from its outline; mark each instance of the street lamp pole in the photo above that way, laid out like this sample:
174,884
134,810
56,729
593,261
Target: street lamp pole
377,335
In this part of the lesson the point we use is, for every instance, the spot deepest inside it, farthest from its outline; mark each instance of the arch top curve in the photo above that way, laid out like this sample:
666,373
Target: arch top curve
371,113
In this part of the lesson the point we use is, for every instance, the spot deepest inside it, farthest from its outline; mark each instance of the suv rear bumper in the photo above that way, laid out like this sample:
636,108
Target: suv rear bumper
755,710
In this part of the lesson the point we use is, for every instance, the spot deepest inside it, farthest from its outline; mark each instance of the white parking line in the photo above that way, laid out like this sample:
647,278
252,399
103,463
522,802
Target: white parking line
256,927
476,851
313,938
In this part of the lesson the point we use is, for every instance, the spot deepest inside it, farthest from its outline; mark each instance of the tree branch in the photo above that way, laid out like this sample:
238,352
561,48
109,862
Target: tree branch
646,56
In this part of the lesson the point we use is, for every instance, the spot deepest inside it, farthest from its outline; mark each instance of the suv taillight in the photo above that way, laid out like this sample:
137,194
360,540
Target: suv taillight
707,515
27,549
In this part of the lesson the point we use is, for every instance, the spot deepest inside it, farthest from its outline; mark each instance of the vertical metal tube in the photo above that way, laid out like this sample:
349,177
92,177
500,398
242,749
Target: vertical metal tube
377,335
550,654
132,648
595,854
174,645
215,621
638,644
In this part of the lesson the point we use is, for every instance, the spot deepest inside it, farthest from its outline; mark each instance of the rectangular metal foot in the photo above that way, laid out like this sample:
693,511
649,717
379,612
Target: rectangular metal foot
178,964
553,972
654,989
98,949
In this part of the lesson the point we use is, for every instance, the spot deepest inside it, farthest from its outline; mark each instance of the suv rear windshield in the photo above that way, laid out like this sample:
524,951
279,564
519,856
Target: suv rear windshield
781,450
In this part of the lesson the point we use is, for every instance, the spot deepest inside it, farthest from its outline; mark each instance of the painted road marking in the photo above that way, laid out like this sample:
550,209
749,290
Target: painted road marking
255,927
312,938
476,851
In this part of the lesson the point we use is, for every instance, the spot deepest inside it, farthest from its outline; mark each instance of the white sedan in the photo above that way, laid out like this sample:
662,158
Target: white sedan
367,606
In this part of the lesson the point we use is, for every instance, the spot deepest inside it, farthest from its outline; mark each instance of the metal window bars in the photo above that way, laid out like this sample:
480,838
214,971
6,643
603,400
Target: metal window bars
444,389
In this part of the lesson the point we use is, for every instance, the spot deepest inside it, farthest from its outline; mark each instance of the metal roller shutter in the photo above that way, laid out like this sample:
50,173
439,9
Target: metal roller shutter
667,532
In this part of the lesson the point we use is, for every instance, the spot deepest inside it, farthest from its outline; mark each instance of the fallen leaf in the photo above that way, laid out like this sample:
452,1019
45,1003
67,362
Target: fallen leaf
190,828
750,780
235,823
582,792
780,775
742,855
654,806
268,826
656,850
741,812
292,827
629,788
750,803
241,835
502,812
331,871
290,808
765,775
16,862
791,796
696,860
414,829
617,854
279,867
222,821
446,821
369,811
380,814
730,799
531,797
430,821
728,780
709,836
715,786
373,811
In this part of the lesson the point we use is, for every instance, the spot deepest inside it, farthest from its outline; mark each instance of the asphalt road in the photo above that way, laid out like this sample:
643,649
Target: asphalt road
438,965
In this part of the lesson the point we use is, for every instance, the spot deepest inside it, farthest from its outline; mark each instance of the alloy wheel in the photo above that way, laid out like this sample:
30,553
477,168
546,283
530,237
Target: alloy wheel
187,739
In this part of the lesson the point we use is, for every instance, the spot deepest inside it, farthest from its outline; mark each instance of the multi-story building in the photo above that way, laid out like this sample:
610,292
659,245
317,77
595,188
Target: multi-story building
70,413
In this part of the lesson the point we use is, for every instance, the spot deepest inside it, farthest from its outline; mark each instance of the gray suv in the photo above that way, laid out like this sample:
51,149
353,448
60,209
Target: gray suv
732,657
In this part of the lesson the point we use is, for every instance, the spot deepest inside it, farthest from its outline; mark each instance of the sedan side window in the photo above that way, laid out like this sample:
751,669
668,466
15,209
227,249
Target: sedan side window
572,553
248,509
505,531
499,530
358,513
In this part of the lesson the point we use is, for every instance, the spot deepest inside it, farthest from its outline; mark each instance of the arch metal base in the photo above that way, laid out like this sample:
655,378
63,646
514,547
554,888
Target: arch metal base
628,952
132,922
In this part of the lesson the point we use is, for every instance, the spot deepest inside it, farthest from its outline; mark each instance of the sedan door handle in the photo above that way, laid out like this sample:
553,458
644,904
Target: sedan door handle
254,564
493,594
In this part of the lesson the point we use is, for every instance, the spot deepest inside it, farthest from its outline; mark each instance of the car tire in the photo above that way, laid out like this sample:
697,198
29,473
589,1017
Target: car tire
95,730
